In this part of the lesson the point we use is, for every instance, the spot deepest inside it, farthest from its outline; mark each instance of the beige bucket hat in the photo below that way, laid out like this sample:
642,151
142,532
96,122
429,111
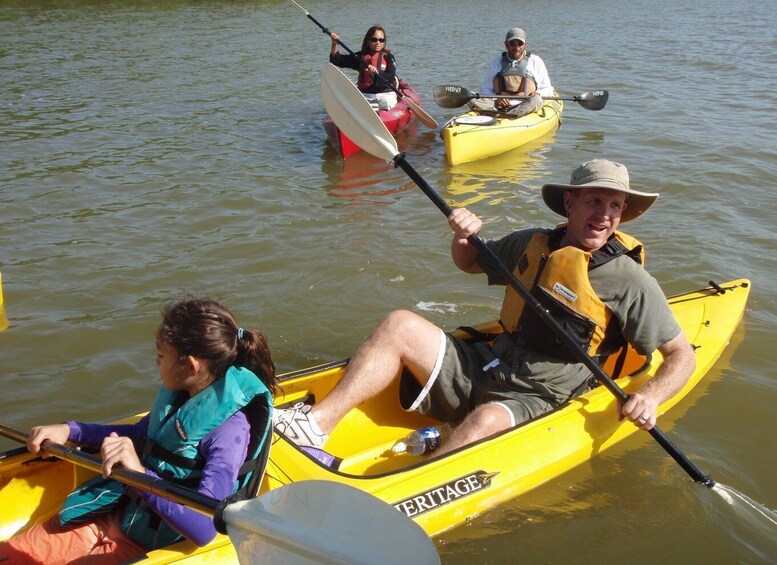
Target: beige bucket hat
600,173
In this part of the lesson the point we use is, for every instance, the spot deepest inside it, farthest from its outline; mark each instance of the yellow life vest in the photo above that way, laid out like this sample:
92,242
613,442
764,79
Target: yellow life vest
559,281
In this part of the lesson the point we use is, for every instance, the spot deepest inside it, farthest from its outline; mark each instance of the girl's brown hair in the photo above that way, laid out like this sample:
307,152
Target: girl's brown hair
205,329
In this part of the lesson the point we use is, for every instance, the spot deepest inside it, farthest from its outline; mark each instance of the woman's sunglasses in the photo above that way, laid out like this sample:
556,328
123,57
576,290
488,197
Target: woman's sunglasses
378,39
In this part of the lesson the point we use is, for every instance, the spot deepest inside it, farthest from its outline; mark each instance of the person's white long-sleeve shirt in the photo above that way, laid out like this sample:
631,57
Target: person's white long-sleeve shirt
535,67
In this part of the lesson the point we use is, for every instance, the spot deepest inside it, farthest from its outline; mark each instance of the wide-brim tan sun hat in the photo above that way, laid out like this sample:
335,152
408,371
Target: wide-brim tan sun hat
600,173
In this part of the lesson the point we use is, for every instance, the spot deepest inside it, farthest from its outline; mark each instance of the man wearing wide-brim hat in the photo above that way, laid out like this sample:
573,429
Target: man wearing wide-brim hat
599,173
588,275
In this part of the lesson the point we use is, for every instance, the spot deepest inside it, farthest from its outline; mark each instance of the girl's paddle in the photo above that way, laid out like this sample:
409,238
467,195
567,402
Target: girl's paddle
354,116
419,112
303,522
449,96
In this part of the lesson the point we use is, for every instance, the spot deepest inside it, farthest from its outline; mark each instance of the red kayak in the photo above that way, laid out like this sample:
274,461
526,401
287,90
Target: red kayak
396,120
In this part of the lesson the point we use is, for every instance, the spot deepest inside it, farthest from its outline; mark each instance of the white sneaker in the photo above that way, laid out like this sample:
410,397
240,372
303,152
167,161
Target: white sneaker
299,425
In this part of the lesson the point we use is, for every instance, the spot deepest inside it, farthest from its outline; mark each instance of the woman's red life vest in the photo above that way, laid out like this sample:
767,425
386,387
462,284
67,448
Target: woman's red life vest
378,61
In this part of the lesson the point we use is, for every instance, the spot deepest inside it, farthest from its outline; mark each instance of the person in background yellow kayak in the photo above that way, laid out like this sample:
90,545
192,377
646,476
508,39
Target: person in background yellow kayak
585,272
376,65
208,430
515,71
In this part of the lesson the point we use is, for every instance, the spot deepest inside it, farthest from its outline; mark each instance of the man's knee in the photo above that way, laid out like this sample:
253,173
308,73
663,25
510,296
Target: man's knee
481,105
399,317
490,418
404,322
527,106
404,330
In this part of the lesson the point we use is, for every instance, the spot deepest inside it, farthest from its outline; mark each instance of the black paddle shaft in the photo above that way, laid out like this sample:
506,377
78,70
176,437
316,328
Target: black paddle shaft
543,313
450,96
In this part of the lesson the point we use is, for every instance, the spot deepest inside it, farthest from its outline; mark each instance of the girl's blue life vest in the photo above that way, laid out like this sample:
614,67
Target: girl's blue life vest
177,424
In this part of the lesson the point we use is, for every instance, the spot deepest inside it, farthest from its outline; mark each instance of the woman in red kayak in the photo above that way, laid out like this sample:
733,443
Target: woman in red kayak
375,63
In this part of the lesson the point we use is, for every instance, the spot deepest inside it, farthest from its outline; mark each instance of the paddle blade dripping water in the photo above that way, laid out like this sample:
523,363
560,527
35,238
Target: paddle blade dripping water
745,504
751,524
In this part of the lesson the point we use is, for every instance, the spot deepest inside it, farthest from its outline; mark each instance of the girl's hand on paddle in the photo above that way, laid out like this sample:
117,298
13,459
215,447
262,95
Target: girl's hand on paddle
57,433
119,451
464,224
641,410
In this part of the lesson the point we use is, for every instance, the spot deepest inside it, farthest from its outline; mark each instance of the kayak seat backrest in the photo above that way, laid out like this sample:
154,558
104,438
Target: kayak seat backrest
252,471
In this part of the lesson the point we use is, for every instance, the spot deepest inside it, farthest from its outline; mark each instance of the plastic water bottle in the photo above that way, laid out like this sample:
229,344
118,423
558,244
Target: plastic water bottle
423,441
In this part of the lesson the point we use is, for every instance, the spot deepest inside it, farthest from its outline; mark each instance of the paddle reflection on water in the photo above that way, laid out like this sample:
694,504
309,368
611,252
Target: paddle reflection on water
363,178
359,175
588,140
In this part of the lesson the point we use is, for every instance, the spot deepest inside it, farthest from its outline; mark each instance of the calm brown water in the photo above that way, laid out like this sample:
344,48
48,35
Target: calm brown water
154,148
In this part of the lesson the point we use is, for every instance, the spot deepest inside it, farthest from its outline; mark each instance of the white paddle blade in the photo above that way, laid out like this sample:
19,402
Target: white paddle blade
300,8
324,522
351,112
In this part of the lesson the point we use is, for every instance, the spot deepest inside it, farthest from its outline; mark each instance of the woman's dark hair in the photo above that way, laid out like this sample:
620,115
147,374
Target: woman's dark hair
370,33
205,329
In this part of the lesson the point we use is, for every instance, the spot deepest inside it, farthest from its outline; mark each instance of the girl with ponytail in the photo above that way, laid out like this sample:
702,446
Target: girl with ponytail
209,429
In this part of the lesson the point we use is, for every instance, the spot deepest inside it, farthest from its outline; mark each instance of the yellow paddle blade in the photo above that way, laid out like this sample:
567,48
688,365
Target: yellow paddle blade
420,113
3,319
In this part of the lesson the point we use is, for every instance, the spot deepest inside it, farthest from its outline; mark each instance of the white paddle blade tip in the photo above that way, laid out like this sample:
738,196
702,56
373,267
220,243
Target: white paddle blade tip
325,522
351,112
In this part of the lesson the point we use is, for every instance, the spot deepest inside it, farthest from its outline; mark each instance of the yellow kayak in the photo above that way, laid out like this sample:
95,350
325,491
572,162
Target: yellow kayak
474,136
441,493
438,493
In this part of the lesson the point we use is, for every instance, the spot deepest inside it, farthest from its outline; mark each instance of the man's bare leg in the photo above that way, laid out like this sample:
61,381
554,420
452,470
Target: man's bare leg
402,339
483,421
